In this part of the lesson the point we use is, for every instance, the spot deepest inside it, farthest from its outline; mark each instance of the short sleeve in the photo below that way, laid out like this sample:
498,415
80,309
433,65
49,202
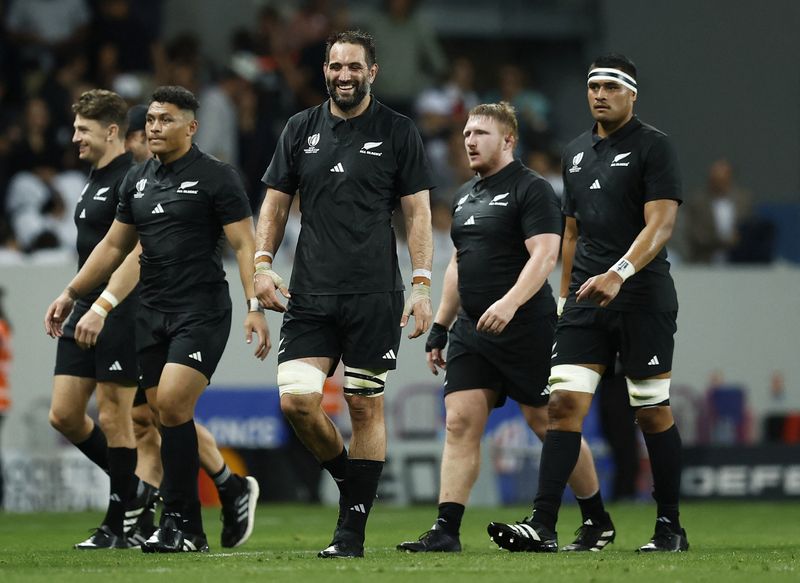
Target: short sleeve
538,209
661,173
230,199
123,194
567,204
413,170
281,173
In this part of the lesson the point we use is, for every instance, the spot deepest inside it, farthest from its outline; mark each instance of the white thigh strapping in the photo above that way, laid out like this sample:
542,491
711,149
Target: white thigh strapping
300,378
364,382
647,392
571,377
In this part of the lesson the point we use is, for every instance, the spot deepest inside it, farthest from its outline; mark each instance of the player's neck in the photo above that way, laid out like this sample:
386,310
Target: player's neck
114,150
606,129
501,164
355,112
170,157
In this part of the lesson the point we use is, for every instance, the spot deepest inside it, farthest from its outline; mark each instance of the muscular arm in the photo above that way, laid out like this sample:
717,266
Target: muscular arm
271,225
417,214
450,302
568,254
659,216
543,251
106,257
241,238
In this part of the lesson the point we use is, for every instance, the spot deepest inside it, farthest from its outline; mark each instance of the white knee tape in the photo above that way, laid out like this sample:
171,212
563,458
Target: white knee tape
364,382
299,378
571,377
647,392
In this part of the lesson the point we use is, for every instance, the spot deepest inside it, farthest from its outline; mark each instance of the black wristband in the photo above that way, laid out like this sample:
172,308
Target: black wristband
437,337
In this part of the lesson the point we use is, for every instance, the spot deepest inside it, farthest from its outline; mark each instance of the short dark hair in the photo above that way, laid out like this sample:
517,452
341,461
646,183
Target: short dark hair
176,95
104,106
353,37
503,113
615,61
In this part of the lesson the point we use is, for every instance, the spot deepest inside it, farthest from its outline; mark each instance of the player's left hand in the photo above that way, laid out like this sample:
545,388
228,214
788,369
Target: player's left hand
600,289
88,329
57,313
257,322
418,304
496,317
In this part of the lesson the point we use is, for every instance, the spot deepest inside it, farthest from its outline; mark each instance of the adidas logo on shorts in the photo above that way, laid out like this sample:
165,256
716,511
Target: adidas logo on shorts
389,355
196,356
115,366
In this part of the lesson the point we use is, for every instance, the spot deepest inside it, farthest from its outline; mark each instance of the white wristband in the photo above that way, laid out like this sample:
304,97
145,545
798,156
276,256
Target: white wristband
253,305
421,273
99,310
110,298
624,268
264,254
560,305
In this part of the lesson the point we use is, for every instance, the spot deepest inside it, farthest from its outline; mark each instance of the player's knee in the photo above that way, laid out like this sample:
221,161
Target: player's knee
298,408
108,418
364,410
459,426
299,378
654,419
564,406
64,421
569,384
364,382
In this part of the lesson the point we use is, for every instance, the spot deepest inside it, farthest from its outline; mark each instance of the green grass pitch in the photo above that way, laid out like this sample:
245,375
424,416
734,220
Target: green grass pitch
730,542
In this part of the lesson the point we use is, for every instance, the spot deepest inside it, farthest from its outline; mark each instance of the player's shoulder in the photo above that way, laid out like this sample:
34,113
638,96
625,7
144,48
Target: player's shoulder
578,144
529,182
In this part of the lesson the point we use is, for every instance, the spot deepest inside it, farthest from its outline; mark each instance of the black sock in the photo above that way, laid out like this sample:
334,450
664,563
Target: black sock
95,447
121,465
592,509
181,465
450,515
560,452
337,468
229,485
362,485
665,460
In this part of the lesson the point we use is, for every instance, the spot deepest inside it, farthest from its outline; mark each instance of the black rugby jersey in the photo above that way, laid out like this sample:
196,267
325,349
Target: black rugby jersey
606,185
350,175
492,218
179,210
93,216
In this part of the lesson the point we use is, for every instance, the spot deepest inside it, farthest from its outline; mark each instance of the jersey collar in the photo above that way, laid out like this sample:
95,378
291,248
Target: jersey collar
619,135
121,161
357,121
177,166
508,170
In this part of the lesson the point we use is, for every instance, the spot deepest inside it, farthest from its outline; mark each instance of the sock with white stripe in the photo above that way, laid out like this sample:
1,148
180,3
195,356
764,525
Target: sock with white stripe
560,451
592,508
181,465
121,465
665,460
337,468
362,484
95,447
450,515
229,485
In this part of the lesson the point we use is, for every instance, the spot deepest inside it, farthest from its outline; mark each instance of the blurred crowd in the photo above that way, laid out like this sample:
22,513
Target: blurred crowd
53,50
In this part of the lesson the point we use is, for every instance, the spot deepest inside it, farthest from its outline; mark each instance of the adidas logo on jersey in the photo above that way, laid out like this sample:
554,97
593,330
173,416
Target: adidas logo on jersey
338,168
157,210
115,366
470,220
654,361
389,355
83,214
196,356
595,185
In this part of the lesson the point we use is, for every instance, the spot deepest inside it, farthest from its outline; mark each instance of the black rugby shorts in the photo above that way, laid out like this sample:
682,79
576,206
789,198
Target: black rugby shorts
515,363
361,329
112,359
194,339
644,340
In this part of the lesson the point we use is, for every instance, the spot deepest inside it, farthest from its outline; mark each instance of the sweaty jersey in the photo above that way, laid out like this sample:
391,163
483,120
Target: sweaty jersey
492,218
607,183
179,210
350,175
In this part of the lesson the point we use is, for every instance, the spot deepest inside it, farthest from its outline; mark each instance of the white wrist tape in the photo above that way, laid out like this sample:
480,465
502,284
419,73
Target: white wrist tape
624,268
421,273
560,306
264,254
419,292
265,268
99,310
253,305
110,298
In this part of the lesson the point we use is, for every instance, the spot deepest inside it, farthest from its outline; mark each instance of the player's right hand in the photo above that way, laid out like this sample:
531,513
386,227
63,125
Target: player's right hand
88,329
266,283
57,314
434,348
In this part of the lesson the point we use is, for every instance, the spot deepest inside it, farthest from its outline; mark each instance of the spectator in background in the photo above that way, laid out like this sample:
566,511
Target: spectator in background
532,106
218,133
135,137
5,369
548,163
414,55
714,216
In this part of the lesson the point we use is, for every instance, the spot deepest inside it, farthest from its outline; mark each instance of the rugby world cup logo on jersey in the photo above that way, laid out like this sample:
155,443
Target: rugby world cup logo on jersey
312,144
576,159
618,159
185,187
140,188
368,147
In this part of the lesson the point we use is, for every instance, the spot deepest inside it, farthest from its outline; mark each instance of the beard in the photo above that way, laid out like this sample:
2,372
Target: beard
360,91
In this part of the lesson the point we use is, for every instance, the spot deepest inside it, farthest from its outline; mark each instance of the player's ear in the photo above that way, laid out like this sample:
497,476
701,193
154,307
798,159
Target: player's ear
192,127
373,72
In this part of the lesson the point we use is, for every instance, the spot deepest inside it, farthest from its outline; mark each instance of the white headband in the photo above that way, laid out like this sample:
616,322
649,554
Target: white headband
613,75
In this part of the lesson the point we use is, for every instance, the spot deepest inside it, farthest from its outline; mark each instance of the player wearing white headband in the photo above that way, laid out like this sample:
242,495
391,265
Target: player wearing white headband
621,195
